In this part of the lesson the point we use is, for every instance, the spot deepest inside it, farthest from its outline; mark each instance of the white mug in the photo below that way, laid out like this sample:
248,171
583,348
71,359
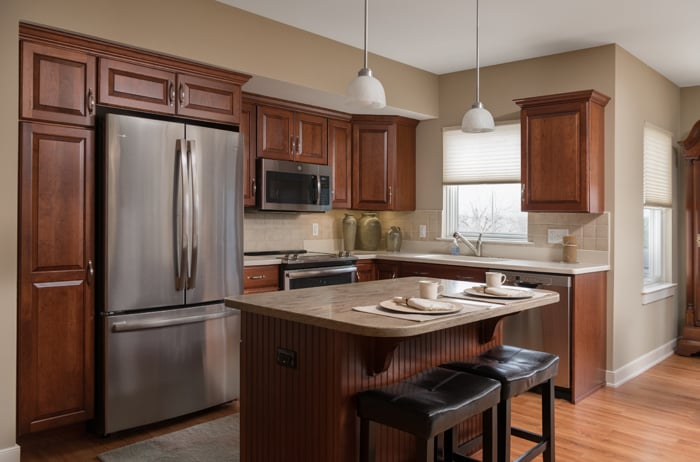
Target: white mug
494,279
429,289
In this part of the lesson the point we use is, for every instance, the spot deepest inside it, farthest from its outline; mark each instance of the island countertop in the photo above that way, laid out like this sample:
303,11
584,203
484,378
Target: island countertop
331,307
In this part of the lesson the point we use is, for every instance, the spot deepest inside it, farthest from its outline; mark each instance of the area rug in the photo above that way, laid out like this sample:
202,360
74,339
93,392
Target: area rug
217,440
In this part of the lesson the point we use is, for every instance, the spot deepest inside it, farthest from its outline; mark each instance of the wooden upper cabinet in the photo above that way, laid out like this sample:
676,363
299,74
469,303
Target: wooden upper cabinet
160,90
286,134
340,159
562,153
55,367
58,84
384,163
248,132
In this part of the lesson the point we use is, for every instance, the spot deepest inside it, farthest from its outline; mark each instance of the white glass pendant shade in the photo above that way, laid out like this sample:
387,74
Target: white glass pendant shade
477,120
365,91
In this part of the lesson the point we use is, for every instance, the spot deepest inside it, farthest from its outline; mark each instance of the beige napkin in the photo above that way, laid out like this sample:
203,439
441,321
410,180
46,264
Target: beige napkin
497,291
424,304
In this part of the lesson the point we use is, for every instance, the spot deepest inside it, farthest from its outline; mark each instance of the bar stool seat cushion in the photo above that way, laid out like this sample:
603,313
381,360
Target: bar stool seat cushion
517,369
429,402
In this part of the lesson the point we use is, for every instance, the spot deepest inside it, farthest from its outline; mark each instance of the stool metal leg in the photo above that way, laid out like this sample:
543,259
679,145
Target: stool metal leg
368,440
548,419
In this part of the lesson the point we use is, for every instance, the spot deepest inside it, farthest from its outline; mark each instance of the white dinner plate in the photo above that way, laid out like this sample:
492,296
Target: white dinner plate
401,308
512,293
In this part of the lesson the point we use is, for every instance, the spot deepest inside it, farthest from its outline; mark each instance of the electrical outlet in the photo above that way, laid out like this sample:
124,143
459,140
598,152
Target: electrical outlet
314,229
555,236
422,232
287,358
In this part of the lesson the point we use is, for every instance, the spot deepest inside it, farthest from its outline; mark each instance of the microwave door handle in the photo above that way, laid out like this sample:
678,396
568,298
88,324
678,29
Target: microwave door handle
318,190
194,215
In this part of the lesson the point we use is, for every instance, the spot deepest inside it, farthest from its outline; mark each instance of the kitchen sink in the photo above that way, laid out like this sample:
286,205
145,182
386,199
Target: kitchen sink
459,258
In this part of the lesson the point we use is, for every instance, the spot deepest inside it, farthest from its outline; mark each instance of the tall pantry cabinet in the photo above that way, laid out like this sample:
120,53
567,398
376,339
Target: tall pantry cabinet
55,375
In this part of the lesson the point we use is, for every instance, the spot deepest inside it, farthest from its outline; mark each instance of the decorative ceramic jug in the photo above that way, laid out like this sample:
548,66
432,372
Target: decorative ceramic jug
393,239
369,231
349,232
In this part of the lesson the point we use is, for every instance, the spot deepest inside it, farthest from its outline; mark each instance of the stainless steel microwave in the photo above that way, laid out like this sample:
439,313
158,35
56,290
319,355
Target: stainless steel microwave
293,186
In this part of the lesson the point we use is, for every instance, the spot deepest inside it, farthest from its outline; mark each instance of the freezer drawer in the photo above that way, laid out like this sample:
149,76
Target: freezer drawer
163,364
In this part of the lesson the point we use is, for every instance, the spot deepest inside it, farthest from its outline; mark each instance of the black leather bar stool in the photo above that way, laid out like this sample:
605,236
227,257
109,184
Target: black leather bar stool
426,405
519,370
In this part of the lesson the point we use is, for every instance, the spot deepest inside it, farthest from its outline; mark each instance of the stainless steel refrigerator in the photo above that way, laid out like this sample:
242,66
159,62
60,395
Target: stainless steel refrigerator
173,249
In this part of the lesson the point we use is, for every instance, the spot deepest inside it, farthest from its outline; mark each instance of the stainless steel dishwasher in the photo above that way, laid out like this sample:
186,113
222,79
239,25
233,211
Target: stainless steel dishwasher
546,328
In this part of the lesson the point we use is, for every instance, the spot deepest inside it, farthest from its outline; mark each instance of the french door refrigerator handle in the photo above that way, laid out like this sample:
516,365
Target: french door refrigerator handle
194,216
181,214
126,326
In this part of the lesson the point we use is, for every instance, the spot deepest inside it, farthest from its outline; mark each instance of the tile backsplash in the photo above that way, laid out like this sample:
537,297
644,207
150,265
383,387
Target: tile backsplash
276,231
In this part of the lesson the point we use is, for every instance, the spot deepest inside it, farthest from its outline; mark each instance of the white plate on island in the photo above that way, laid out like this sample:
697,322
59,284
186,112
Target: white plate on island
509,293
401,308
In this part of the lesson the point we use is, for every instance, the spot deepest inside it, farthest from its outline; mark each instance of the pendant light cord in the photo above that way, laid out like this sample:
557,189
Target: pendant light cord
366,31
477,54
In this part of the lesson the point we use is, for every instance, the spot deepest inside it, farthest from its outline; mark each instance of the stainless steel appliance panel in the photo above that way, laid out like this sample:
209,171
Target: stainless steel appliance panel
546,328
317,277
293,186
141,208
217,198
168,363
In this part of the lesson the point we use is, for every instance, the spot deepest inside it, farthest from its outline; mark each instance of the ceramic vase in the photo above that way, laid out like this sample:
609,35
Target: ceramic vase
393,239
349,232
369,231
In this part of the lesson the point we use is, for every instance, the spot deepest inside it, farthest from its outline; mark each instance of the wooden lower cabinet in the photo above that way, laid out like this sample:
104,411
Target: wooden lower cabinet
55,361
263,278
385,269
365,271
458,273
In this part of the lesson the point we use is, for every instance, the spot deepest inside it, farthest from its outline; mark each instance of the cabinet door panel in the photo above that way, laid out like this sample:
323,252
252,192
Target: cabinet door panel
340,159
248,132
372,150
136,87
55,373
275,133
58,85
555,173
311,132
208,99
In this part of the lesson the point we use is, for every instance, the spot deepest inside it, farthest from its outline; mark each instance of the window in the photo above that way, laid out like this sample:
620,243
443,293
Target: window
481,183
658,201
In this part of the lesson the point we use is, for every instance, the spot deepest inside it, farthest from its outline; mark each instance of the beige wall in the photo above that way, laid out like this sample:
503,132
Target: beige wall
642,95
690,109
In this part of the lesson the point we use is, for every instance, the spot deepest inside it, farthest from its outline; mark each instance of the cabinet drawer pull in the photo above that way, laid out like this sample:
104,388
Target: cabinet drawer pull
90,101
256,277
90,273
171,93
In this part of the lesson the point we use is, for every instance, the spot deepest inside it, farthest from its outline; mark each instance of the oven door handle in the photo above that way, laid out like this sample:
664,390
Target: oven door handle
313,273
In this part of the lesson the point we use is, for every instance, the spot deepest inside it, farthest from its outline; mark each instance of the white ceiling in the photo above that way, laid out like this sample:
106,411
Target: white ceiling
439,35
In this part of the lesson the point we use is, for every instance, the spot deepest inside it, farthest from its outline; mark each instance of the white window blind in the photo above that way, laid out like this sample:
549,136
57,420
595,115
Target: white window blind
478,158
658,191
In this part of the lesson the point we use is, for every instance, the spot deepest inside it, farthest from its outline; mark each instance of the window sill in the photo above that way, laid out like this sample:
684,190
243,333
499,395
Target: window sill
659,291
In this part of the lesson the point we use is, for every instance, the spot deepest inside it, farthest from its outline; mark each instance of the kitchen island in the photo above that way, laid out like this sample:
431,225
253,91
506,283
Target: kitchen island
306,353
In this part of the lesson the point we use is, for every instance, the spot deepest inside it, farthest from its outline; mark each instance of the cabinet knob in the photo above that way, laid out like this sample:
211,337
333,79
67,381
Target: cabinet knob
171,93
90,273
182,95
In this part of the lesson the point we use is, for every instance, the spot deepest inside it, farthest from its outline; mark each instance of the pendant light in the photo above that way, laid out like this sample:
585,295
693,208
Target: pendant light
365,91
477,119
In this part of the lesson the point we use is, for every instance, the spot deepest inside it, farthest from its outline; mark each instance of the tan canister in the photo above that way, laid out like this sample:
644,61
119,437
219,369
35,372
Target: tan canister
569,249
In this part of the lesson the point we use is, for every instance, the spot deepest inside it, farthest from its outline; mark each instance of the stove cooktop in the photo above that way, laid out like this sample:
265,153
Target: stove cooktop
304,258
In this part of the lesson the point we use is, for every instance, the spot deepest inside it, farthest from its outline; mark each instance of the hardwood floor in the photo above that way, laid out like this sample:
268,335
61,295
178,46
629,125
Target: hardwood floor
652,418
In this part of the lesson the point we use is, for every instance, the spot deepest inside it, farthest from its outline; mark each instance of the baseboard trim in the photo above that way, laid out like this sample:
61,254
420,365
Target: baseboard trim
10,454
640,365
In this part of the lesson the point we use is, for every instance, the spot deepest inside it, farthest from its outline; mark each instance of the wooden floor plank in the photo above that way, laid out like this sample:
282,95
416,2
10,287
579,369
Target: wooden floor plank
652,418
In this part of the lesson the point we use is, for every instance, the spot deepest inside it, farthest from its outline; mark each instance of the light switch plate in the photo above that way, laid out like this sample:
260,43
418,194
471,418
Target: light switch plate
314,229
555,236
422,232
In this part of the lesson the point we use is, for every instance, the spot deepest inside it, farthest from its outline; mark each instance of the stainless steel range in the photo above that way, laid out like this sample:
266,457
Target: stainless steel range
300,268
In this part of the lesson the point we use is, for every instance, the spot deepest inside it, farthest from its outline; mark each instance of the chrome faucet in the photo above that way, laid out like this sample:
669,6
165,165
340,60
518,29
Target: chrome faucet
474,248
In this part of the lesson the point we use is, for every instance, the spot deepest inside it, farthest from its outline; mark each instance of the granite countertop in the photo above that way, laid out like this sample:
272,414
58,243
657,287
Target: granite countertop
496,263
331,307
